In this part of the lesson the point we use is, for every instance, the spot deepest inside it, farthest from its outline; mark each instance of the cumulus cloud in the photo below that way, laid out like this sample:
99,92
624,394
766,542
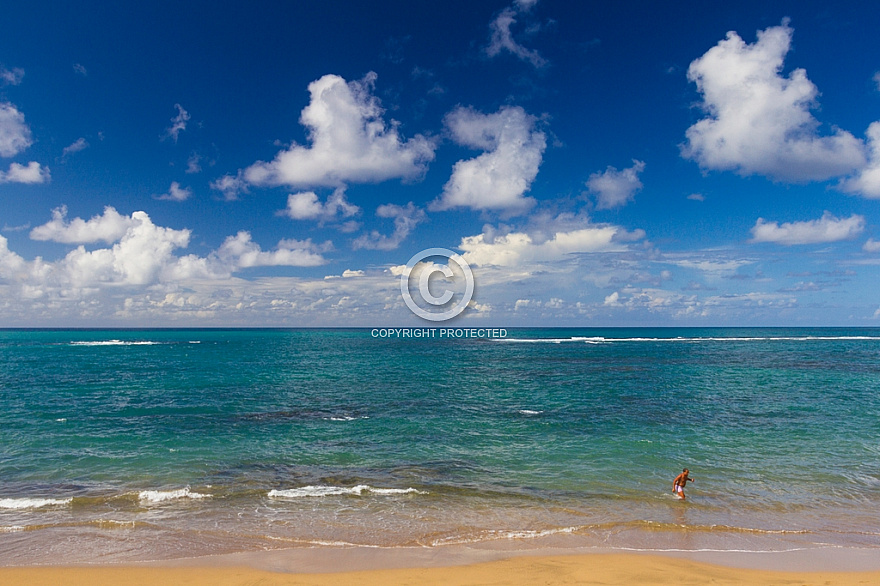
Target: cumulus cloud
759,122
498,178
143,276
826,229
406,218
176,193
867,181
350,142
240,251
178,123
31,173
501,36
614,188
871,245
518,248
11,76
142,254
612,300
108,227
136,259
11,264
15,136
306,205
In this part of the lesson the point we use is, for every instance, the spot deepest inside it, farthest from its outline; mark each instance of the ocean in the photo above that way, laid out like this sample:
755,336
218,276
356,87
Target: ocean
129,445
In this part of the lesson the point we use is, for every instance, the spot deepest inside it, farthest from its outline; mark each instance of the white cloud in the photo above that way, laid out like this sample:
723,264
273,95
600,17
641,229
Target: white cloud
655,300
615,188
137,259
711,266
80,69
714,265
697,197
15,136
876,79
176,193
108,227
498,178
11,76
867,182
826,229
406,218
142,254
350,142
240,251
178,123
32,173
193,164
11,264
522,304
519,248
77,146
306,205
143,277
871,246
612,300
760,122
501,37
229,186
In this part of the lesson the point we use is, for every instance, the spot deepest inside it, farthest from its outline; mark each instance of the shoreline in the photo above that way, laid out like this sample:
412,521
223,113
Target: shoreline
372,567
331,559
328,559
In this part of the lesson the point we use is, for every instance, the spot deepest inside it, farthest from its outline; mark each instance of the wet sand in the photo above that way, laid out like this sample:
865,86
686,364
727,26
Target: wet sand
284,568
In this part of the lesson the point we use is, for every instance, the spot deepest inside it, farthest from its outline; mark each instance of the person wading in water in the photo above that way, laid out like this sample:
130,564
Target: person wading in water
679,482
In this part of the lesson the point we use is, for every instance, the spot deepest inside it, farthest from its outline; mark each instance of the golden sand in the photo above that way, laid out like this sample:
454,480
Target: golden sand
604,569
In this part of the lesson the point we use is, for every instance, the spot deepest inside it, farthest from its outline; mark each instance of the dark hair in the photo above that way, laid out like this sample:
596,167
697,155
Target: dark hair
685,470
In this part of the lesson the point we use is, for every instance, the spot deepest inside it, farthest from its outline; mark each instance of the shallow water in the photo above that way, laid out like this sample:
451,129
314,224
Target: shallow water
151,444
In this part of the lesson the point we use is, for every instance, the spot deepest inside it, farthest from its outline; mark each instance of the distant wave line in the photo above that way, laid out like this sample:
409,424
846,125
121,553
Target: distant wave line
603,340
115,342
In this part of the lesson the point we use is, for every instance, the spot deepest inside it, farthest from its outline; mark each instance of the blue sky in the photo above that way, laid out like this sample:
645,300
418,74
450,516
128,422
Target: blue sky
597,164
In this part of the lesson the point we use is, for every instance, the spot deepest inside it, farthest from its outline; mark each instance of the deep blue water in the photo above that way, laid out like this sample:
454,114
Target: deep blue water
137,444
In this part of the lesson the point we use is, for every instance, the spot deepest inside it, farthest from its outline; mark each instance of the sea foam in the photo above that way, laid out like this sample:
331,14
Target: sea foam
115,343
32,503
159,496
311,491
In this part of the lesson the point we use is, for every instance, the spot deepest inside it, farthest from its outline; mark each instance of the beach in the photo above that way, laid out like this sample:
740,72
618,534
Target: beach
604,569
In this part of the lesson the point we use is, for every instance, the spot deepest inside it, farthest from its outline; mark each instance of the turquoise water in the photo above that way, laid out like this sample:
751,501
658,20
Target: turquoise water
145,444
